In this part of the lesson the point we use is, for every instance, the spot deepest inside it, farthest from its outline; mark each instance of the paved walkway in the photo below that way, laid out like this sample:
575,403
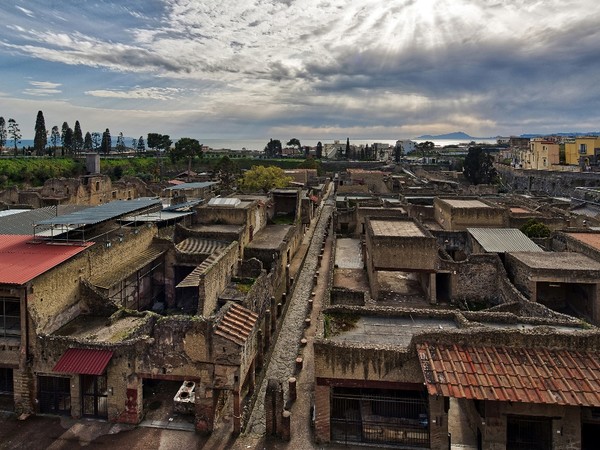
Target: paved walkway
282,363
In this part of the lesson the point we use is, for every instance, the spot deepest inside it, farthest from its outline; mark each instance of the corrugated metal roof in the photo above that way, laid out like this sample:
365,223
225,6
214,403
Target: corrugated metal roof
503,240
21,260
237,324
527,375
126,268
23,222
182,206
198,185
97,214
83,361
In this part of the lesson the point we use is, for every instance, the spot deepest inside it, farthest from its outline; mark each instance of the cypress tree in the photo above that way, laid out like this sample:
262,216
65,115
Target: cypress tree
41,136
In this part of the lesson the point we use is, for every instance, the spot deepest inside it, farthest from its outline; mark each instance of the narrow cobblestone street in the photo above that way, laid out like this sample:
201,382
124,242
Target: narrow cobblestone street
288,347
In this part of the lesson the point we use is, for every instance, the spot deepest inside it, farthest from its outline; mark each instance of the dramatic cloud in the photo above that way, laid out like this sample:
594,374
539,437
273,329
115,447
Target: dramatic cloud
312,68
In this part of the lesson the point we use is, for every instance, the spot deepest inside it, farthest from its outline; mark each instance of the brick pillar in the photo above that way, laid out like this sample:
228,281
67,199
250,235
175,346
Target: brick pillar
271,412
322,412
273,315
267,329
205,408
438,423
260,353
24,391
237,414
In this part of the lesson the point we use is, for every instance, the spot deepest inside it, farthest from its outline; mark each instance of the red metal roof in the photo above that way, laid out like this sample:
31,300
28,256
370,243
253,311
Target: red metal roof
21,260
529,375
83,361
237,324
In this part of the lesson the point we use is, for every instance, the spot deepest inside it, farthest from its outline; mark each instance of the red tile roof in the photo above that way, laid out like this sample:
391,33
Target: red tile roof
21,260
540,375
237,324
83,361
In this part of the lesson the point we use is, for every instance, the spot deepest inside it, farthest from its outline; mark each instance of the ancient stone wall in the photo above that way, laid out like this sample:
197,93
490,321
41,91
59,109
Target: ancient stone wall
553,183
216,275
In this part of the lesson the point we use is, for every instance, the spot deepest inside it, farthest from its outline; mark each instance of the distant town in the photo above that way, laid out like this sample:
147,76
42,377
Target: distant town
404,294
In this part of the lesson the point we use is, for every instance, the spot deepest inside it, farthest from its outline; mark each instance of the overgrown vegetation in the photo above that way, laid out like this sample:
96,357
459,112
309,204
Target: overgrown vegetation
35,171
535,229
335,324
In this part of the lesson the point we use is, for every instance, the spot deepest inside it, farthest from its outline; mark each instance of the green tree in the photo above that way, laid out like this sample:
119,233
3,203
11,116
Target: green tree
535,229
154,140
227,172
186,148
14,132
425,147
96,140
77,138
40,139
263,179
87,142
106,144
165,142
141,145
63,133
319,150
120,147
347,148
2,132
294,142
54,139
479,166
68,141
273,148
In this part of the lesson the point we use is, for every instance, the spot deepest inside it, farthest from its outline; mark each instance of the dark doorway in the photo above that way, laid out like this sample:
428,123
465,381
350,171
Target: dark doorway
442,287
7,390
94,396
54,394
528,433
589,436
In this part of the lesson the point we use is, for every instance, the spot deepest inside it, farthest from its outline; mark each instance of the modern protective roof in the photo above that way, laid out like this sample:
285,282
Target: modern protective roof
83,361
503,240
23,222
463,203
231,202
198,185
512,374
97,214
395,228
237,324
21,260
158,216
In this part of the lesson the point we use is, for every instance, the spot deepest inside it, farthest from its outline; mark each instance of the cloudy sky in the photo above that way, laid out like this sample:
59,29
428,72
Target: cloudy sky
312,69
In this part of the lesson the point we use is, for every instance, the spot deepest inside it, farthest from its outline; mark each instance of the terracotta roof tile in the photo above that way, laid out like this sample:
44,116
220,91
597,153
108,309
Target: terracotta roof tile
237,324
512,374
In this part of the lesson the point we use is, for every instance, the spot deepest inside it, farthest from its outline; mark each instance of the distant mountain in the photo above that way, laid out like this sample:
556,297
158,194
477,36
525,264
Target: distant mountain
457,135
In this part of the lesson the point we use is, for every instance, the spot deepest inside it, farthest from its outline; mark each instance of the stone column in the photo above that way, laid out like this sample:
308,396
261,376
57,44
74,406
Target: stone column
432,289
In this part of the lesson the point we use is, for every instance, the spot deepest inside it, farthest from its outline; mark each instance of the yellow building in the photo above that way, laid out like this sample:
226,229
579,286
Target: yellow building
541,155
583,151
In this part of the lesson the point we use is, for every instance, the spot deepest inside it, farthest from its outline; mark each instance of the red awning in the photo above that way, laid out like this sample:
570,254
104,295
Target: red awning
83,361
